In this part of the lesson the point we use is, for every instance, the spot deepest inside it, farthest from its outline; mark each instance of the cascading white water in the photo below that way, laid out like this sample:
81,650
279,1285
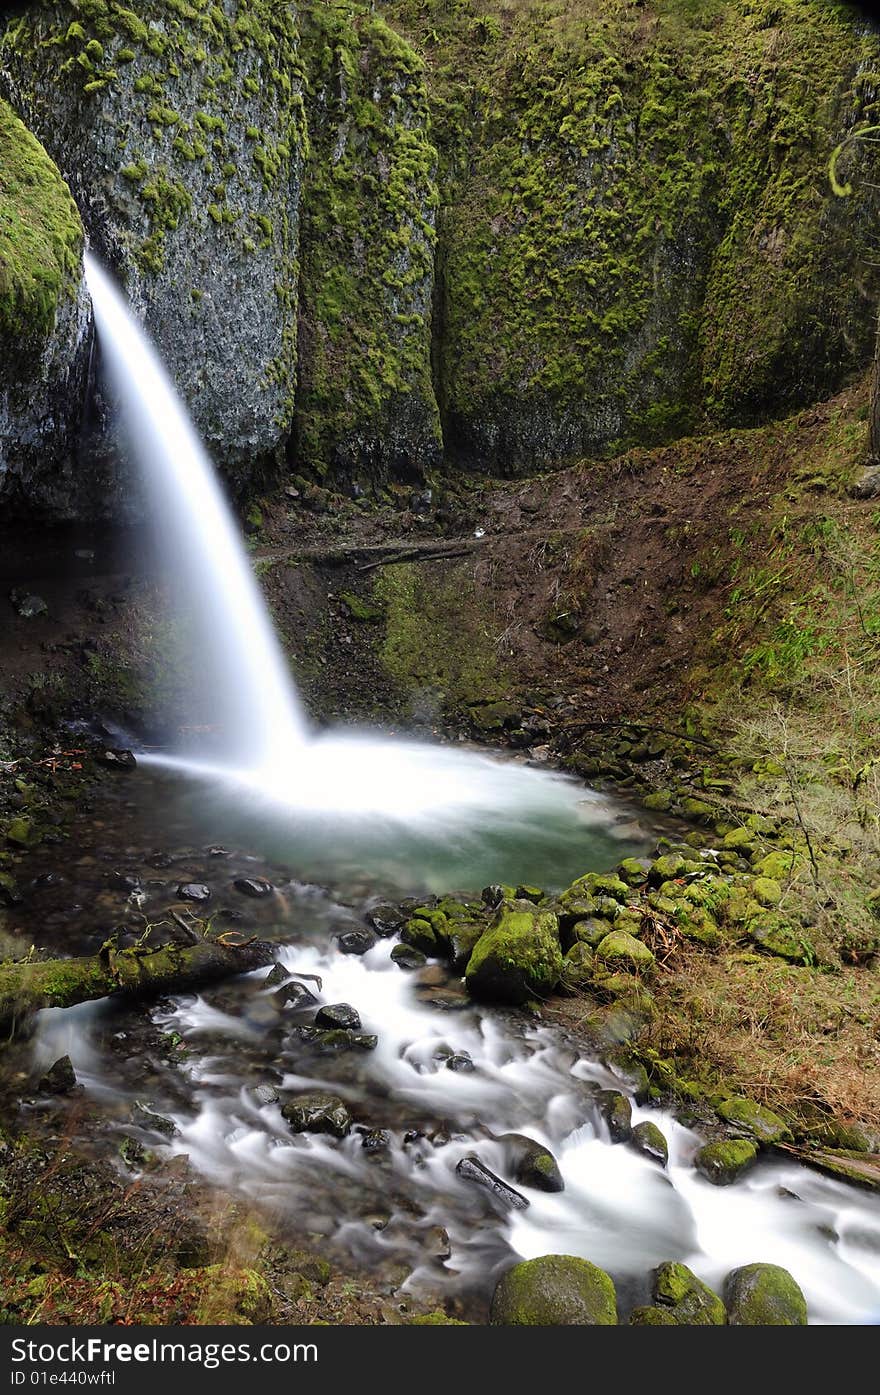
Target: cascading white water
239,659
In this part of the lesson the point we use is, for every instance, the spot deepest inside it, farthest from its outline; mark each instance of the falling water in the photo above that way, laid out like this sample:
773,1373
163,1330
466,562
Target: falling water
241,664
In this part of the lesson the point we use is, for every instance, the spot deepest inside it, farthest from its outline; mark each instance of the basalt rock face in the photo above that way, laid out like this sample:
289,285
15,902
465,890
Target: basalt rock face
43,323
180,131
366,406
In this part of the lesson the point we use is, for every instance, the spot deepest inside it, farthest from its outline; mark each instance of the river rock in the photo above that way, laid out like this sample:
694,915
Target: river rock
263,1095
294,995
473,1169
460,1061
764,1295
376,1141
554,1291
338,1015
405,957
253,886
652,1316
518,957
118,759
147,1118
648,1139
624,951
60,1078
754,1120
194,891
385,920
722,1163
530,1163
690,1301
616,1110
355,941
317,1112
629,1071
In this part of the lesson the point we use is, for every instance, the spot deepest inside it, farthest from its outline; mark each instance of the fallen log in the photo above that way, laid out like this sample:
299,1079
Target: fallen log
29,985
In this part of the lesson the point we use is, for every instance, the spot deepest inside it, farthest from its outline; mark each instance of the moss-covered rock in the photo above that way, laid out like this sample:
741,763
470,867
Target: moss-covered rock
577,967
764,1295
518,957
723,1162
530,1163
648,1139
766,891
754,1120
652,1316
554,1291
622,951
616,1111
776,935
692,1303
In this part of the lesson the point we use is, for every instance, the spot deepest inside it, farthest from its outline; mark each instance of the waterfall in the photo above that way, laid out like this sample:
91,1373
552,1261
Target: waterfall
239,661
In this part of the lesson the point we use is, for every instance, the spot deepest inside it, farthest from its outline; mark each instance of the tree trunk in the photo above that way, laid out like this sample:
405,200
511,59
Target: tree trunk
874,406
25,988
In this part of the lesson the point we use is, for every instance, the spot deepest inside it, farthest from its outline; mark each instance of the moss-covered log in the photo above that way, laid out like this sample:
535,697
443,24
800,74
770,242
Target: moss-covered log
25,988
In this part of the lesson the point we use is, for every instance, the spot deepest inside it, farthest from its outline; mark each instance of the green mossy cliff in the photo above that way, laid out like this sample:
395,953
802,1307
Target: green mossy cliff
375,239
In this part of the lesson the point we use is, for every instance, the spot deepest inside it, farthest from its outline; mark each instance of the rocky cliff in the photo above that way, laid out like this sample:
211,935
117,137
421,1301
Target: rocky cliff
367,241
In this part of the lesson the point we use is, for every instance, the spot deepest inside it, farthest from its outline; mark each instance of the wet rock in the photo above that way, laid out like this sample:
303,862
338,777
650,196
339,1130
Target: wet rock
437,1244
264,1094
651,1316
338,1039
518,957
295,995
317,1112
125,881
554,1291
338,1015
405,957
20,832
577,968
376,1141
722,1163
764,1295
690,1301
420,934
754,1120
473,1169
279,973
355,941
385,920
194,891
117,759
59,1079
253,886
530,1163
616,1110
147,1118
463,936
27,604
648,1139
460,1061
535,894
630,1072
492,896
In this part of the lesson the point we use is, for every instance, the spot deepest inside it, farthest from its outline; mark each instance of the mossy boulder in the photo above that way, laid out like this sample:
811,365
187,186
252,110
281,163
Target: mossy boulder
739,840
622,951
776,935
777,866
754,1120
691,1302
767,891
648,1139
577,967
667,868
518,957
421,934
652,1316
616,1111
724,1162
634,870
659,801
530,1163
554,1291
589,932
764,1295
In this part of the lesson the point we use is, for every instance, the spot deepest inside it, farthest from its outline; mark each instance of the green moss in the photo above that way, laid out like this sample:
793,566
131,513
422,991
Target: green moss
553,1291
41,237
518,957
619,950
721,1163
764,1295
755,1120
691,1302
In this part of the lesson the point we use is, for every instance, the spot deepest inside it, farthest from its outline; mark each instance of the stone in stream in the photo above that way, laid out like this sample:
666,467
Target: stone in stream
278,974
194,891
147,1118
530,1163
385,920
59,1079
264,1094
354,941
691,1302
117,759
338,1015
764,1295
317,1112
616,1110
648,1139
460,1061
554,1291
473,1169
405,957
126,881
294,995
376,1141
331,1040
253,886
722,1163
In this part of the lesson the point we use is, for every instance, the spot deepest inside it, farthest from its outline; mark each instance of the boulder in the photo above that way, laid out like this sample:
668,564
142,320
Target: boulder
648,1139
518,957
764,1295
622,951
722,1163
754,1120
691,1302
530,1163
317,1112
554,1291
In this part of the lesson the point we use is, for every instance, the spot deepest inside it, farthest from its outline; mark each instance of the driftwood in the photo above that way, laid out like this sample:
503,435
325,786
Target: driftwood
28,986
